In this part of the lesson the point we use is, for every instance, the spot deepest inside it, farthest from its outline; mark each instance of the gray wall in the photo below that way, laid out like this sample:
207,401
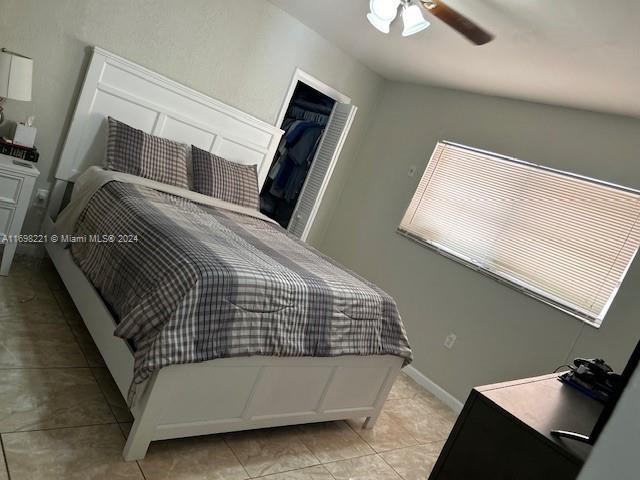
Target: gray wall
243,52
502,334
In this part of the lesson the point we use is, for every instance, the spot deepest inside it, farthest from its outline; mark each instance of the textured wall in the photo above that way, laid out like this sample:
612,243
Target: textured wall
242,52
502,334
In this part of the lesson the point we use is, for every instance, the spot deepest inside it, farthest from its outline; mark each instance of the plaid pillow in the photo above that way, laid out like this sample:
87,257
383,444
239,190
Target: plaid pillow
228,181
133,151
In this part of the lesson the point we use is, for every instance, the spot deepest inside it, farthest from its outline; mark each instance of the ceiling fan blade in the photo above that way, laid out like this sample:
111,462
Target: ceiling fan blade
457,21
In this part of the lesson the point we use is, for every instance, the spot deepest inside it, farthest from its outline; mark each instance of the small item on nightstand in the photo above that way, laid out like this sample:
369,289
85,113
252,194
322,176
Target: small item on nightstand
25,134
7,147
593,377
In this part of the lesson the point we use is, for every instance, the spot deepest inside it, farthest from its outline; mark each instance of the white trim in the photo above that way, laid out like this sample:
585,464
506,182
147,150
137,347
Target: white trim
302,76
429,385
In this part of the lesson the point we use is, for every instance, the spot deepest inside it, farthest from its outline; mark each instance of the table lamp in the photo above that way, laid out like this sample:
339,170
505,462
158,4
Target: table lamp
16,73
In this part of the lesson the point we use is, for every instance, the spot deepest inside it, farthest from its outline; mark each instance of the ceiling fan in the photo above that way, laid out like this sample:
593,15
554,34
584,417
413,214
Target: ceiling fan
383,12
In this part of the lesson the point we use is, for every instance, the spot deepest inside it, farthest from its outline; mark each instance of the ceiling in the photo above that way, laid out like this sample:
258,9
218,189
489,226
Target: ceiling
578,53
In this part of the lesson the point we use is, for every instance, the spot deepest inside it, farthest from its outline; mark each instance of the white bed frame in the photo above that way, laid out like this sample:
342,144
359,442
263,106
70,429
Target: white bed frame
218,395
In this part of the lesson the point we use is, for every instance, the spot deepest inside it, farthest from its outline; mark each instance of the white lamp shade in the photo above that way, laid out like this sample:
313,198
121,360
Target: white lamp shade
378,23
413,20
16,72
385,10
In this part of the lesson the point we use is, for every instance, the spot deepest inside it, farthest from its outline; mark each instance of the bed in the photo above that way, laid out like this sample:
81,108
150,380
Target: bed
250,383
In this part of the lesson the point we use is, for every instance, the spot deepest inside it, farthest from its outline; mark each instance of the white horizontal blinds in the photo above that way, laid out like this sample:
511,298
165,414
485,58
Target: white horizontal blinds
561,237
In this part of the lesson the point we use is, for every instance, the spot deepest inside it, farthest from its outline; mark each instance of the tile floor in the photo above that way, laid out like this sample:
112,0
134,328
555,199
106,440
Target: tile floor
62,416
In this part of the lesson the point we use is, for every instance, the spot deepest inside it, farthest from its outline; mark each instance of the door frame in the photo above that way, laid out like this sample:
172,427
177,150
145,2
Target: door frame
300,75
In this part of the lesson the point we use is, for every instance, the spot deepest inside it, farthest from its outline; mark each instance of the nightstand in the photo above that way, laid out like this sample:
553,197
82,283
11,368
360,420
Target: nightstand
17,179
504,432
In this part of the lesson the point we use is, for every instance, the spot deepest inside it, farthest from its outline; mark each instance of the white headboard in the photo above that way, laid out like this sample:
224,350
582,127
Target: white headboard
159,106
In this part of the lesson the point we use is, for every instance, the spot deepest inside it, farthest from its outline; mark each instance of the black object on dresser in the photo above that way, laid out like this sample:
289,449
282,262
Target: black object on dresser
503,433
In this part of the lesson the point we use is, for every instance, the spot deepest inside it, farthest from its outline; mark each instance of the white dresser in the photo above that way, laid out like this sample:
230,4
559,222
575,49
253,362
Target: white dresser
16,186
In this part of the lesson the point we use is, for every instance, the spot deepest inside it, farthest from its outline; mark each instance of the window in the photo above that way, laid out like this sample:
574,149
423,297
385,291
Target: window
562,238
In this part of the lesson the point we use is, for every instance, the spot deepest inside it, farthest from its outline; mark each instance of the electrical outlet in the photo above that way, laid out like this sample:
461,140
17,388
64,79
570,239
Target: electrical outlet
412,170
450,340
40,199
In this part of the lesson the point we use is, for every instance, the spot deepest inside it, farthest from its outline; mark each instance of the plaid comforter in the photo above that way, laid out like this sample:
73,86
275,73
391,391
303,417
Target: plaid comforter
202,282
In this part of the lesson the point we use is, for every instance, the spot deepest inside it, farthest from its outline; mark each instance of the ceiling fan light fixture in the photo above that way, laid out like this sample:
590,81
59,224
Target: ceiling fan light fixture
383,12
413,20
380,25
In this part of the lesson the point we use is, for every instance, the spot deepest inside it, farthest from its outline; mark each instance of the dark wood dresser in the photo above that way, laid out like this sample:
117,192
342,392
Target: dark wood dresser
503,433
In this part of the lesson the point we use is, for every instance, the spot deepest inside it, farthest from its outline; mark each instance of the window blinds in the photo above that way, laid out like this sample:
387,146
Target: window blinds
564,239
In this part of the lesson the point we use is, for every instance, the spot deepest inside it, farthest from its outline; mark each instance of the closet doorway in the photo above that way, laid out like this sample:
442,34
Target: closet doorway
315,119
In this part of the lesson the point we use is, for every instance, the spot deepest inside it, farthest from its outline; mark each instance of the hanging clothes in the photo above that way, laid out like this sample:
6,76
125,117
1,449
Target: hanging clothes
293,166
305,119
299,175
301,156
296,130
291,135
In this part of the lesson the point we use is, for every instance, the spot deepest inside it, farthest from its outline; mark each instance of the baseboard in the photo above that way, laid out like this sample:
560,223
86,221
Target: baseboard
432,387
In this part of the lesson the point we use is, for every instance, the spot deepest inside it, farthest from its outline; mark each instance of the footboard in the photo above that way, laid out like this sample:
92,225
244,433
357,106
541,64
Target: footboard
257,392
